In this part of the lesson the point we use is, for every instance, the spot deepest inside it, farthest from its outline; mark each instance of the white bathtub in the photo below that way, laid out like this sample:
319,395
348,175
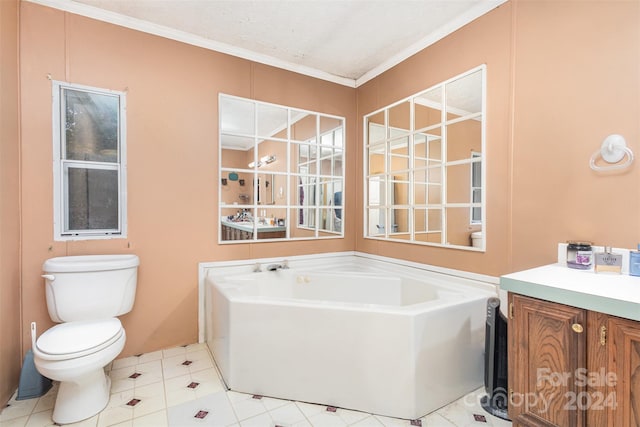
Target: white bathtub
364,335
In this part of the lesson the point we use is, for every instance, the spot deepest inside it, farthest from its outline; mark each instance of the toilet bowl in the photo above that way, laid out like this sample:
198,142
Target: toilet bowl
75,354
85,294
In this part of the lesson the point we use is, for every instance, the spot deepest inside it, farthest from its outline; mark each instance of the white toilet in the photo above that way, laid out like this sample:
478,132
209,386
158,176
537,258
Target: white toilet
84,294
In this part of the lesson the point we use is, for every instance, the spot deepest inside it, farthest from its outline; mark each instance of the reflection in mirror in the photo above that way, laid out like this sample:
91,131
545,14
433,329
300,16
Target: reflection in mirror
399,118
428,110
281,172
425,166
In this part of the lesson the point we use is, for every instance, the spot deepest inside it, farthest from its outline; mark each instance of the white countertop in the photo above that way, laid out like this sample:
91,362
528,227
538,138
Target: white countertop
610,293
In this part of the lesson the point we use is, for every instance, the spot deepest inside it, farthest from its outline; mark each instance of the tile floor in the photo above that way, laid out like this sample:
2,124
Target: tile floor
181,387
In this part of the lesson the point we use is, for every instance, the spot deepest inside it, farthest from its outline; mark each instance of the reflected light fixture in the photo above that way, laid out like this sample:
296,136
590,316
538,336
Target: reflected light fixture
265,160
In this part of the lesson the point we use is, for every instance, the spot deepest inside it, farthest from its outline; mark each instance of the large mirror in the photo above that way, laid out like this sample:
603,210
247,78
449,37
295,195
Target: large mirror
425,165
281,172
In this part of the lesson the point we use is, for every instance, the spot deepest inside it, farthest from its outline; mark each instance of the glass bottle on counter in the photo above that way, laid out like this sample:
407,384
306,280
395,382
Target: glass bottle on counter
634,262
608,261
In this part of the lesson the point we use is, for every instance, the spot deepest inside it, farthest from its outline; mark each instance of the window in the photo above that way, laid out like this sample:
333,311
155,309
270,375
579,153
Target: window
476,188
89,162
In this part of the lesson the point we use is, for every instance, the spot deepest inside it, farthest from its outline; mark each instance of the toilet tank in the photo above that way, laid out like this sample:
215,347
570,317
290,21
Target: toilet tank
90,287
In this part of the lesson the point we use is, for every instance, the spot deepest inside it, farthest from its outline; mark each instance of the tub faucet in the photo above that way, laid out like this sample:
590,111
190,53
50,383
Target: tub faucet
274,267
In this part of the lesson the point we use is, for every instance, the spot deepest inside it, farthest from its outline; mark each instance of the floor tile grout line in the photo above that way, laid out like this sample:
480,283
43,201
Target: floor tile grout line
233,409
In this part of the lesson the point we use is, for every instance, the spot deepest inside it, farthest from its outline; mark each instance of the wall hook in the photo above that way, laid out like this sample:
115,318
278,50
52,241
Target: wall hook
613,150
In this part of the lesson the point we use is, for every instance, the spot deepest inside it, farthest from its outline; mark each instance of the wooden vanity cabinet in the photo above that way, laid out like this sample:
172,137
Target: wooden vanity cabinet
570,367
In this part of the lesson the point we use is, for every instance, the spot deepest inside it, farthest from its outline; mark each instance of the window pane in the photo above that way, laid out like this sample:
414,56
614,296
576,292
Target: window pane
376,159
235,150
428,221
376,130
464,95
463,138
400,195
458,230
399,150
304,126
476,174
307,157
329,222
376,221
92,199
399,221
305,193
326,161
337,163
328,124
272,121
399,119
377,191
337,137
91,126
237,116
307,217
458,183
428,106
235,159
272,156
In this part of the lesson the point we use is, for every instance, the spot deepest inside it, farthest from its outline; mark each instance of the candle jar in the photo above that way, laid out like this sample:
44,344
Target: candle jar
579,255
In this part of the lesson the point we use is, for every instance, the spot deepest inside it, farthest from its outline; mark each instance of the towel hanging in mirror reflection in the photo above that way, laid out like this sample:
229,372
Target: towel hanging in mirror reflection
613,151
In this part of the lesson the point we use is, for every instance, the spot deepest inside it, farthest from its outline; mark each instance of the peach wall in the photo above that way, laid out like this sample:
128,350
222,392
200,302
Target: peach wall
577,80
172,110
561,76
10,350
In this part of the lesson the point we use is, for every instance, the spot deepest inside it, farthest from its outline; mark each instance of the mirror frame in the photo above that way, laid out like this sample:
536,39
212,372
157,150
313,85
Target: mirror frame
322,146
384,132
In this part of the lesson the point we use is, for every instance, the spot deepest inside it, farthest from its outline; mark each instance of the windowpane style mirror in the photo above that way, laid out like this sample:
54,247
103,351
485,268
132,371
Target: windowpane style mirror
425,166
281,172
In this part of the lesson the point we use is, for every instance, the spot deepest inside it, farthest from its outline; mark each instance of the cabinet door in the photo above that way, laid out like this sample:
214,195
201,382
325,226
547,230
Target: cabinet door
547,347
624,365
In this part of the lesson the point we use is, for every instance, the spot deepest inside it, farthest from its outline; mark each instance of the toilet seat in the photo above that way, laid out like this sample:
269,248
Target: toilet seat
76,339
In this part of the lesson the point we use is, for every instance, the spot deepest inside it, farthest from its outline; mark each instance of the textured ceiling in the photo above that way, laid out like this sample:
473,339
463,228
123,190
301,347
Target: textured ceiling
347,41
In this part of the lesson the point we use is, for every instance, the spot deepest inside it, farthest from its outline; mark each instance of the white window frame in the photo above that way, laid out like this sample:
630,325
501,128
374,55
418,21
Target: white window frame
61,166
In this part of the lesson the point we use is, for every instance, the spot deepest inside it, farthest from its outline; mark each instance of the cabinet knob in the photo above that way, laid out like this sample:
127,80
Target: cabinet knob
577,328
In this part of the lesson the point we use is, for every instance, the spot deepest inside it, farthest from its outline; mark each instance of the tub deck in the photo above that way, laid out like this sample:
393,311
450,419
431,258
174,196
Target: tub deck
363,338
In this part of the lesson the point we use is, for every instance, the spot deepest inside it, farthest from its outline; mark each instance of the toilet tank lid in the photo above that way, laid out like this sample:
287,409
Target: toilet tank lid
72,264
